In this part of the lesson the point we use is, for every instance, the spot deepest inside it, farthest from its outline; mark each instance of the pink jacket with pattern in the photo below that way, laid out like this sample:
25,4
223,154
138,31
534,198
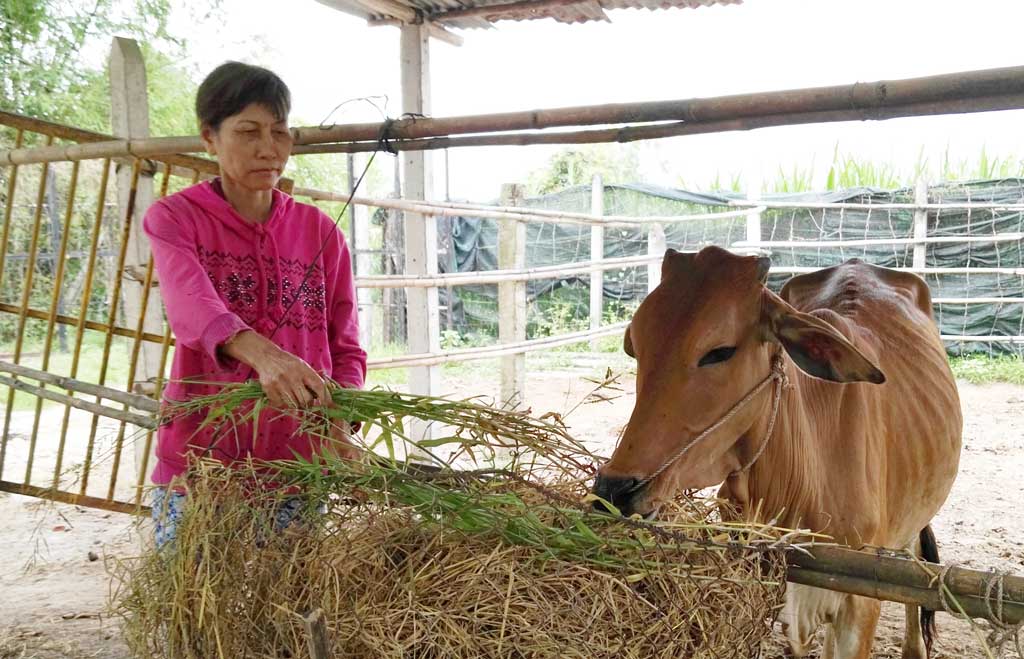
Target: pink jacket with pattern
220,275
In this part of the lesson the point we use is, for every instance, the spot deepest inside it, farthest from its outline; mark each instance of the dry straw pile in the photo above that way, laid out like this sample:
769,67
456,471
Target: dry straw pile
432,563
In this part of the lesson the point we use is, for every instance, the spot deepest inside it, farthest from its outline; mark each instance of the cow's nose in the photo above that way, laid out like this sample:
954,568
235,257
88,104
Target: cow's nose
620,492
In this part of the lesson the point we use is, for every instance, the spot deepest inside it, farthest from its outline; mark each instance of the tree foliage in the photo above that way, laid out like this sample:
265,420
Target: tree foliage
45,45
578,164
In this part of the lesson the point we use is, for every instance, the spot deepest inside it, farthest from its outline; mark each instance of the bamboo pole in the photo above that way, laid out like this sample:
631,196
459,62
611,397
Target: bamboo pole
857,206
541,215
968,91
630,133
165,348
978,300
12,188
52,129
1016,272
550,272
51,324
71,498
934,240
69,384
874,97
888,575
451,210
26,296
140,480
489,352
531,213
498,276
116,330
83,310
987,338
635,133
115,300
78,403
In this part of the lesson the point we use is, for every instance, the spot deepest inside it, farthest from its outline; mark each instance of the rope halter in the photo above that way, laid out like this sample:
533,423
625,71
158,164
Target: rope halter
778,376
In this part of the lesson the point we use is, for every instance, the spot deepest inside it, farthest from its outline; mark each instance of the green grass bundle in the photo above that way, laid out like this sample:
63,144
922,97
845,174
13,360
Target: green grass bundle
501,558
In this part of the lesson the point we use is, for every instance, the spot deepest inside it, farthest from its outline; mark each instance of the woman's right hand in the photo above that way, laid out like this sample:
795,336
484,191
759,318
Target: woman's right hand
290,382
287,380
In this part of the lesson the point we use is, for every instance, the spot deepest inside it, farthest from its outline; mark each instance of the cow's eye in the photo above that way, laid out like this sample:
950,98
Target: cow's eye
716,356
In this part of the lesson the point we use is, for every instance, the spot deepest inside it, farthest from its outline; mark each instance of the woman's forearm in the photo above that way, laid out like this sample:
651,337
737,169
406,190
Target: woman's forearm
250,348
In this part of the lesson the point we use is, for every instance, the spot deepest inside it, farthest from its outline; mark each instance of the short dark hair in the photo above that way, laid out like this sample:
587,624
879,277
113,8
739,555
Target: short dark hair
233,86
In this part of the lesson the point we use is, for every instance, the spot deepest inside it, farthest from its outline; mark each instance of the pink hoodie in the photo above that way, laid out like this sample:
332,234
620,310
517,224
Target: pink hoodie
220,275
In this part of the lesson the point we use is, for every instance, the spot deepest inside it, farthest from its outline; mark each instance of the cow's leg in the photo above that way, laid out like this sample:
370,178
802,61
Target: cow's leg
855,627
797,644
805,610
913,638
828,646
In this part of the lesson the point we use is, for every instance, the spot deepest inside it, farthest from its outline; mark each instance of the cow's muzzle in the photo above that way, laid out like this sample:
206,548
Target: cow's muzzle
622,493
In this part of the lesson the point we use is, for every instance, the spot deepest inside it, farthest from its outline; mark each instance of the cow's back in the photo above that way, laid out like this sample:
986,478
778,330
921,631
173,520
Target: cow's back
912,424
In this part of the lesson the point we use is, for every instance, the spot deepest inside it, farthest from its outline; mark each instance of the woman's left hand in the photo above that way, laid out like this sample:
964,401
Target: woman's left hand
340,443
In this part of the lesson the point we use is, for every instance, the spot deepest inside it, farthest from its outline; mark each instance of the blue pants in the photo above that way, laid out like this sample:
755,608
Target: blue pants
168,510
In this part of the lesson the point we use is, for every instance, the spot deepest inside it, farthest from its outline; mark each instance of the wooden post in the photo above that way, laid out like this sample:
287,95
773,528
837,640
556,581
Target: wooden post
754,217
596,254
364,266
129,115
512,298
655,247
392,263
920,222
316,635
424,330
353,234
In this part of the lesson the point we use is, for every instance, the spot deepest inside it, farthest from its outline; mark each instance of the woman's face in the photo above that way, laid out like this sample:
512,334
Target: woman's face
251,147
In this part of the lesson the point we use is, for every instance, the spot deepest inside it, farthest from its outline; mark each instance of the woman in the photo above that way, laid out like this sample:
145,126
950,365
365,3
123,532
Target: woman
254,283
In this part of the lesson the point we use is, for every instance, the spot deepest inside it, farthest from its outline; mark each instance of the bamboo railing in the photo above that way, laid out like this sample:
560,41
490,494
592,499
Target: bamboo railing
954,93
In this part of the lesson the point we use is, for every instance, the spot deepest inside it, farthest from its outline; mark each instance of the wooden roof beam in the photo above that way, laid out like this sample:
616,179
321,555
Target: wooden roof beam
434,30
519,8
392,8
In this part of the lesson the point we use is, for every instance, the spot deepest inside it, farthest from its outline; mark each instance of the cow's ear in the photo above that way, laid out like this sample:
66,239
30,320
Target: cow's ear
814,345
627,344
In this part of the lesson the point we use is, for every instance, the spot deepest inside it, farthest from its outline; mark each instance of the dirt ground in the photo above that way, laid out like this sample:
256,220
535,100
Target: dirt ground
54,559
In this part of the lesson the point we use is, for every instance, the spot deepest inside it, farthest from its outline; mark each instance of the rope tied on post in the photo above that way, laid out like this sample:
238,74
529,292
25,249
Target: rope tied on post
1001,632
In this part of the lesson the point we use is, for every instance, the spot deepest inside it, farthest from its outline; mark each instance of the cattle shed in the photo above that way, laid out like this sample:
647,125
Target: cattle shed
142,168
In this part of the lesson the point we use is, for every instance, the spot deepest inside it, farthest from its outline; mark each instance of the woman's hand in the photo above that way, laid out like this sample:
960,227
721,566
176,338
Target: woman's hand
341,442
286,380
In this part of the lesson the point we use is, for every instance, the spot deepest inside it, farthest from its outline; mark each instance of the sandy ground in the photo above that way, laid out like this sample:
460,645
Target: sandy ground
54,579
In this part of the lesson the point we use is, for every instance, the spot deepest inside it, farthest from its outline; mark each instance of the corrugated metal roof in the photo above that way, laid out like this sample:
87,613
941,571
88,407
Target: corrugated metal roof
564,11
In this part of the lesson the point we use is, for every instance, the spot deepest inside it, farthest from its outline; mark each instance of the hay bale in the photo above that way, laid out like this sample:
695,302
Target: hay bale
412,581
444,564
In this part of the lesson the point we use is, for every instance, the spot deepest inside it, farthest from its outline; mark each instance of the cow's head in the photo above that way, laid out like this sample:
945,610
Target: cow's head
704,339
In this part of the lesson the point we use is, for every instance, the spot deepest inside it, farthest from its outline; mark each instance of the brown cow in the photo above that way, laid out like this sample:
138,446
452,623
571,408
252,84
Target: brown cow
866,439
